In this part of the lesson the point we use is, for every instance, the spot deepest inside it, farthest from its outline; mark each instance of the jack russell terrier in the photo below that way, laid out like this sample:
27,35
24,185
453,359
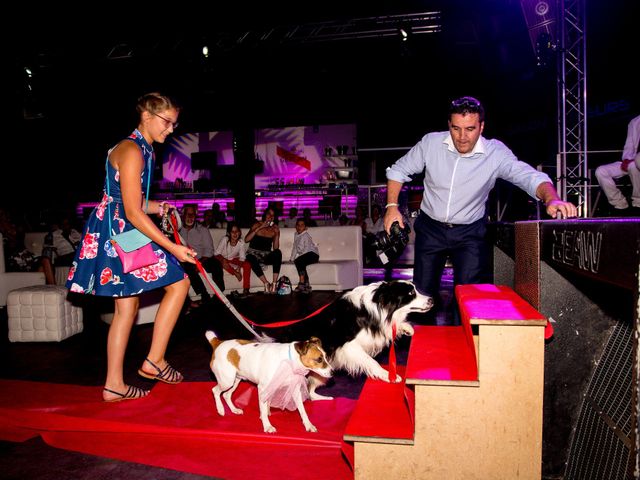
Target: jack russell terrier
278,369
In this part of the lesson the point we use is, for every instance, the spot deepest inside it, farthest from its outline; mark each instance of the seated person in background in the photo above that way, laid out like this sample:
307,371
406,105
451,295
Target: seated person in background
309,222
59,248
219,219
303,253
361,216
230,252
334,220
17,256
9,233
373,226
20,258
290,221
629,165
262,237
198,238
7,227
207,218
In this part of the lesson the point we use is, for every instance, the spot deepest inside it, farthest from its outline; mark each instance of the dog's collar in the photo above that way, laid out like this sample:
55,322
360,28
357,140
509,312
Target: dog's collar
298,367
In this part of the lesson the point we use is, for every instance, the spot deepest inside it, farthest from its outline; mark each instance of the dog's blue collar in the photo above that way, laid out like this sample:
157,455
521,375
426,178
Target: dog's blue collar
290,357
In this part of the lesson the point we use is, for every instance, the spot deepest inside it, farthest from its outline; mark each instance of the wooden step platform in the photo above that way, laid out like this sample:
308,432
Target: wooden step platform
477,399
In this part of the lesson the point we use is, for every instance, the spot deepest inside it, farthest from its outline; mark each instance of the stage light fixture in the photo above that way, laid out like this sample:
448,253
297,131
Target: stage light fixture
404,34
205,51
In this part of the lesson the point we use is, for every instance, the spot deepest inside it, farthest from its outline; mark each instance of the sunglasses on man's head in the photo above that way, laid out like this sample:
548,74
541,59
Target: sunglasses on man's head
466,102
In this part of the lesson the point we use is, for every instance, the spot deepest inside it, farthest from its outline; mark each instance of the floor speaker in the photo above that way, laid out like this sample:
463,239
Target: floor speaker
583,276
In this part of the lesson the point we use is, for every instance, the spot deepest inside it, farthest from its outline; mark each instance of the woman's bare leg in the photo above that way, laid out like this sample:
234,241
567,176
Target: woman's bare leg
117,340
166,318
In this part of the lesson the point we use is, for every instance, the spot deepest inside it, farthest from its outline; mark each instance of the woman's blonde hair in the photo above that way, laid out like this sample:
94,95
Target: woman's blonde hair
155,102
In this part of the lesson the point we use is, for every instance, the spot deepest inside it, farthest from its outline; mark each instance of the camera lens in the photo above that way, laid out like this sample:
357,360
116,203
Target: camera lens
390,245
381,240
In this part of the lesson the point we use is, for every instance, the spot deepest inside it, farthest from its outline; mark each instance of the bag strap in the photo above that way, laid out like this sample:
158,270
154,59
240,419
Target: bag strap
146,208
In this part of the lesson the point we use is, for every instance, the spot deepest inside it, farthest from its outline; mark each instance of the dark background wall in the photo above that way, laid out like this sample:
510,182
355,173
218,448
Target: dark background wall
394,91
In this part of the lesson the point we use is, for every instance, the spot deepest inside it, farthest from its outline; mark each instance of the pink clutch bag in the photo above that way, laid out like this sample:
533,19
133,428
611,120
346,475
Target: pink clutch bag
134,250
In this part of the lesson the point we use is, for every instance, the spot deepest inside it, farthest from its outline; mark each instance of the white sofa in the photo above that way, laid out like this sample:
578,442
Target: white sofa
339,268
13,280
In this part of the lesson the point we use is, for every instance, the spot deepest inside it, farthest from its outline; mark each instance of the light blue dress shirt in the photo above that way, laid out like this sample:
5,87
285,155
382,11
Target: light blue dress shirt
456,187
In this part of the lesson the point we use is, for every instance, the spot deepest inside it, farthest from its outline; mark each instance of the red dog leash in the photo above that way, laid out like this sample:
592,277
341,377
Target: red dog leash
223,298
392,355
246,321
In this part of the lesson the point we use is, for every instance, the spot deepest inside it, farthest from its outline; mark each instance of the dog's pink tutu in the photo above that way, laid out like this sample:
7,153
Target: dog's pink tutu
286,381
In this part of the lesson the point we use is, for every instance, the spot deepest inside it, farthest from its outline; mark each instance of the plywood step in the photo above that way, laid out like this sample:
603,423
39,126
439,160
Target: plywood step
384,413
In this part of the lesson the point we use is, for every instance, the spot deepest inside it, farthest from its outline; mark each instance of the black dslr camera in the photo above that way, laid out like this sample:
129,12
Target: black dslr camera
390,245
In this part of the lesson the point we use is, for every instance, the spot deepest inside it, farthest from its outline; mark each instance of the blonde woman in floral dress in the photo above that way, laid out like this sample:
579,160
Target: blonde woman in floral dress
97,270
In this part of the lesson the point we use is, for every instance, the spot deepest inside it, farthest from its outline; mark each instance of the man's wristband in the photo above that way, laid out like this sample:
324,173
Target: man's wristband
391,205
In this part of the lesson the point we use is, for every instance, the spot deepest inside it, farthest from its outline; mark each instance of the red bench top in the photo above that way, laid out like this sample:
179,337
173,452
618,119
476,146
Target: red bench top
486,304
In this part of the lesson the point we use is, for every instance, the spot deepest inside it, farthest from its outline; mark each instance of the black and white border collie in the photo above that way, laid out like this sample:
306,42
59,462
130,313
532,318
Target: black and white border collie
358,326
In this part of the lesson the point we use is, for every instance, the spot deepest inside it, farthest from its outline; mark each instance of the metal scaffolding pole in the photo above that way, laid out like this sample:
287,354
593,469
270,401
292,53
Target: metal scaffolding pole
572,165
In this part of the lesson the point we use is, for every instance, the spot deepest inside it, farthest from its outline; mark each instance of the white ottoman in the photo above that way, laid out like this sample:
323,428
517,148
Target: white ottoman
41,313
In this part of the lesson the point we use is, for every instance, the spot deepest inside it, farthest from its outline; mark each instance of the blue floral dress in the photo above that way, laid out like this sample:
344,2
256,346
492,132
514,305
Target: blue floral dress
96,269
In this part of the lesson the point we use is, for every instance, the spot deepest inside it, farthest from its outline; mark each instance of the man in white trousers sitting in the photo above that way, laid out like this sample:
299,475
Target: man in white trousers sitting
629,165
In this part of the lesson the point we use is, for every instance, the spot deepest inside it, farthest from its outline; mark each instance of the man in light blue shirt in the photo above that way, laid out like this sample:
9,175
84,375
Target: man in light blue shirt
460,169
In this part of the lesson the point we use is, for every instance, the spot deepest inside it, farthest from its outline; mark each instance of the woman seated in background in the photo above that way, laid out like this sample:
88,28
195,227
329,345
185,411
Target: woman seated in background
230,252
59,248
264,248
20,259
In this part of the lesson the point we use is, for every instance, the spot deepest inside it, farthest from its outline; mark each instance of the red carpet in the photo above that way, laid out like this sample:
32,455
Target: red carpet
177,427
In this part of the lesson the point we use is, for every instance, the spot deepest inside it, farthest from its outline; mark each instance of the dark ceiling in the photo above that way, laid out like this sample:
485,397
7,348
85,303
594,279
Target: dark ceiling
263,72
